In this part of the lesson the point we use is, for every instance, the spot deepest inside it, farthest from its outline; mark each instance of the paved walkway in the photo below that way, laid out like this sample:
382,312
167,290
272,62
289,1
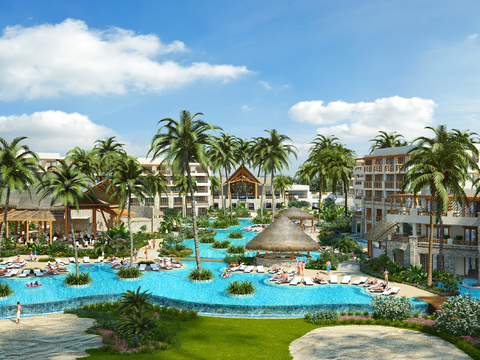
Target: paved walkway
372,342
52,337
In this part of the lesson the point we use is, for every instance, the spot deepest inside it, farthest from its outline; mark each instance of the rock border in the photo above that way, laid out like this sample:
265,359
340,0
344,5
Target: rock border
129,279
78,286
210,280
5,297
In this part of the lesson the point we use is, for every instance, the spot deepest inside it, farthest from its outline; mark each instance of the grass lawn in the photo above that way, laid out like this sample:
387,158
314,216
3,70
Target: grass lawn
229,338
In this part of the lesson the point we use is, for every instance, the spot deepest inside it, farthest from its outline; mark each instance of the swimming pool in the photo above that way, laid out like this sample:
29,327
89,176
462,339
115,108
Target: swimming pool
171,288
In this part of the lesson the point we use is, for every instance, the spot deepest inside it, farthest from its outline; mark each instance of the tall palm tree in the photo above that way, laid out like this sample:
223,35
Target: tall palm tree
257,162
109,151
442,165
227,145
158,184
65,183
85,160
275,155
127,179
282,183
183,142
182,184
18,171
242,152
214,184
215,156
384,140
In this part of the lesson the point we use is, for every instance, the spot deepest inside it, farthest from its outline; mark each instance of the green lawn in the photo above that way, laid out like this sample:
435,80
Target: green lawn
229,338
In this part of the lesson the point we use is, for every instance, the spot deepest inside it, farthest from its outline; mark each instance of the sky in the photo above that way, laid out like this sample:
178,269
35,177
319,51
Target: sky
72,72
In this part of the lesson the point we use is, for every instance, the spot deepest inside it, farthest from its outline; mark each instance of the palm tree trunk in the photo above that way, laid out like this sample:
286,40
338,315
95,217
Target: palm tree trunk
221,192
263,190
77,269
4,223
130,228
345,194
273,198
229,195
430,243
319,199
194,217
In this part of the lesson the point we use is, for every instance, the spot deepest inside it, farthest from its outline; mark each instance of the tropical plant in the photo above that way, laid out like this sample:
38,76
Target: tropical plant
236,249
235,235
128,273
18,171
139,322
459,316
132,300
86,161
166,225
221,244
414,273
83,278
214,184
66,184
5,290
207,240
103,248
184,142
158,185
282,183
126,179
240,288
331,241
391,307
108,150
200,275
178,218
384,140
442,165
347,244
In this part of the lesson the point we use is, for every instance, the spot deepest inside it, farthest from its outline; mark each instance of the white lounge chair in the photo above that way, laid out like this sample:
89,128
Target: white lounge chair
373,290
86,259
333,279
275,271
392,291
346,279
260,269
72,260
60,262
296,281
249,269
12,273
154,267
307,281
6,262
37,272
362,280
242,267
380,282
25,273
100,259
142,267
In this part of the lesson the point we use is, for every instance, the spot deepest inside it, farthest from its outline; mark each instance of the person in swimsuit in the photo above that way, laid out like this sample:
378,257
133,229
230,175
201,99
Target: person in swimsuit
19,311
303,267
328,267
135,253
385,272
299,267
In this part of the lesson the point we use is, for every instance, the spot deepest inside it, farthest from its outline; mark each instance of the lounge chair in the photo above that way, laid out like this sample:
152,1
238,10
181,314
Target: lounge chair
346,279
37,272
61,262
6,262
142,267
260,269
100,259
291,272
362,280
286,281
296,281
380,282
72,260
392,291
154,267
275,271
12,273
323,282
307,281
86,259
379,290
25,273
242,267
249,269
135,265
333,279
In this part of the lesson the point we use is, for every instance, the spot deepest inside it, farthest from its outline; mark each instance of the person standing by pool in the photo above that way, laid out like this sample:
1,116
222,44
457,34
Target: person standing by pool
19,311
34,255
31,256
385,272
299,267
328,267
146,254
135,253
352,257
303,266
153,243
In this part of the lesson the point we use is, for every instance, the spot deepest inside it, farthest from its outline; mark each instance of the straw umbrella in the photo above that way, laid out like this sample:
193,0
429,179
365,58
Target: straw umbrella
294,213
284,236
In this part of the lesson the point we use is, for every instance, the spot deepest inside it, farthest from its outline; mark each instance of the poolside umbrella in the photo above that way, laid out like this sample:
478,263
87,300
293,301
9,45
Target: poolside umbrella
294,213
282,235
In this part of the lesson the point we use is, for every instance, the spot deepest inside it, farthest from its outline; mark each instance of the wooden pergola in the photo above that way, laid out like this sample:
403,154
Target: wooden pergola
242,175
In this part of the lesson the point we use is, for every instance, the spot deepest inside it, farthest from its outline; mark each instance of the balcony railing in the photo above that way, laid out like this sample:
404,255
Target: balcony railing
399,184
368,217
358,168
368,168
378,218
400,238
201,201
368,184
369,199
378,168
378,199
177,203
389,167
462,214
400,212
377,185
358,197
399,167
389,184
464,242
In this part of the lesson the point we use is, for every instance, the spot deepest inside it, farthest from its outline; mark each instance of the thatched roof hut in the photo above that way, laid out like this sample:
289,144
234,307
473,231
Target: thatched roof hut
294,213
283,236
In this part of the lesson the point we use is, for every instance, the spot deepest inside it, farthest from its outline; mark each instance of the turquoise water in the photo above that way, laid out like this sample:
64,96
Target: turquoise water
475,292
171,288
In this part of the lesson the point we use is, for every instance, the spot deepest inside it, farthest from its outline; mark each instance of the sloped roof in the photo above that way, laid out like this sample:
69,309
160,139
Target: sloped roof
242,174
294,213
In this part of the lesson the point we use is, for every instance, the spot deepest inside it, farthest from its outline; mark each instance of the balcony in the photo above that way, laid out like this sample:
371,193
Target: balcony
400,238
399,167
389,185
425,240
368,217
358,183
368,184
368,168
389,168
400,212
462,214
177,203
378,168
368,199
358,168
399,184
201,201
378,218
422,216
378,199
358,197
377,185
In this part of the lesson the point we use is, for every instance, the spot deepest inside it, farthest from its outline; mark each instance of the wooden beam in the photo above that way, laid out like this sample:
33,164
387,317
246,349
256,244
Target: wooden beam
94,219
26,228
51,238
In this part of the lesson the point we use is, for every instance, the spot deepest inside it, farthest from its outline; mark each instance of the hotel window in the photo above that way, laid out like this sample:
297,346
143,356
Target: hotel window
164,201
149,202
378,177
400,177
475,157
470,234
401,161
390,178
368,163
368,193
368,177
378,194
389,161
134,202
378,161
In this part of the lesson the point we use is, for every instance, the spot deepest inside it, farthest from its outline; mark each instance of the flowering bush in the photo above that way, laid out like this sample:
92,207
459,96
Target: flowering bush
421,321
391,308
120,346
459,316
474,340
355,317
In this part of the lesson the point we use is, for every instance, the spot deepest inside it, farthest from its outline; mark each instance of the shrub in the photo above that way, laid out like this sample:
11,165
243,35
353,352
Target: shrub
235,235
260,220
204,274
459,316
207,240
203,223
220,244
240,288
5,290
247,260
236,249
187,232
128,273
391,308
320,316
83,278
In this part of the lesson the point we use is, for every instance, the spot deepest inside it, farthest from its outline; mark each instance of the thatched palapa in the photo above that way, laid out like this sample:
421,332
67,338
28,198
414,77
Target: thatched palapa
284,236
294,213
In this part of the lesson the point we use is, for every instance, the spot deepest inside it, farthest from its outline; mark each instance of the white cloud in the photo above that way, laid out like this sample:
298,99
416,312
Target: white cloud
265,85
365,119
52,59
246,108
55,131
473,36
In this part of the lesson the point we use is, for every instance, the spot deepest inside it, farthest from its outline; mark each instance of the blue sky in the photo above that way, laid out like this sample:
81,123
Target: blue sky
75,71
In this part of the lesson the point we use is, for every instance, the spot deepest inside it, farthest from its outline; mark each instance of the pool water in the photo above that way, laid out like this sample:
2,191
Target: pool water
171,288
475,292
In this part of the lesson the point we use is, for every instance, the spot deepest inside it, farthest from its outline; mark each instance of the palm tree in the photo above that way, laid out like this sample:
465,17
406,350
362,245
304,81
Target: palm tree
126,179
158,184
84,160
227,145
65,183
108,150
257,161
282,183
18,171
384,140
181,183
214,184
215,156
183,142
275,156
242,152
442,165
